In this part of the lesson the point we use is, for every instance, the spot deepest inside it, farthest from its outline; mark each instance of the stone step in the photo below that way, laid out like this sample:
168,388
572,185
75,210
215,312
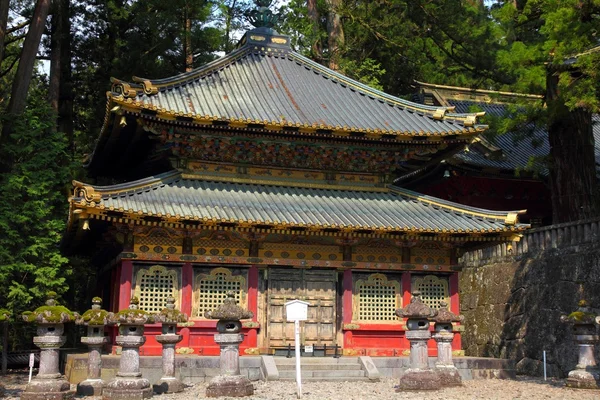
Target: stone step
350,375
312,367
329,379
315,360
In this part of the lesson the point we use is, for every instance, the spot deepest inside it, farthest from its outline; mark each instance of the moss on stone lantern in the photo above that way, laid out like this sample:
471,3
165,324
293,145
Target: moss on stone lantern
50,319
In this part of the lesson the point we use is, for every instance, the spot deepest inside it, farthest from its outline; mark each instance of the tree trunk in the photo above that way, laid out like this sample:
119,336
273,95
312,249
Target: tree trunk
4,347
313,16
189,56
573,181
65,94
55,59
24,72
228,23
4,5
335,34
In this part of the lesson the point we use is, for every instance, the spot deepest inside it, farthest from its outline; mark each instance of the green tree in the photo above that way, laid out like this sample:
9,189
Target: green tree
551,49
32,207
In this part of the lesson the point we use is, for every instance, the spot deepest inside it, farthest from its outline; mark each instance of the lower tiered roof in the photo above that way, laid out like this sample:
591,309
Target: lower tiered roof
174,200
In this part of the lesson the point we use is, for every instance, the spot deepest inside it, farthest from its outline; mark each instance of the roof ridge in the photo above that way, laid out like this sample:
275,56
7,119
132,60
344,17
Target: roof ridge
438,112
510,217
480,91
127,187
151,86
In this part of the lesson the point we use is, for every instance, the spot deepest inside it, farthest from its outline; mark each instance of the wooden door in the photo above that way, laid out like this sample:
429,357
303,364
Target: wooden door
316,287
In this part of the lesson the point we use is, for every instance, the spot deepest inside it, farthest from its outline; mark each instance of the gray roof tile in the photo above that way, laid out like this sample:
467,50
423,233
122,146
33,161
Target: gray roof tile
396,209
287,87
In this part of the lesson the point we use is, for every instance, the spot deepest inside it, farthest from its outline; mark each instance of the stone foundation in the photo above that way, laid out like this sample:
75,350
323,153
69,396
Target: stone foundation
229,386
48,389
127,389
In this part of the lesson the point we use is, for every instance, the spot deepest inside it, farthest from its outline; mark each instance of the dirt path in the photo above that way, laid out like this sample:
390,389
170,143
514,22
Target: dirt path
522,388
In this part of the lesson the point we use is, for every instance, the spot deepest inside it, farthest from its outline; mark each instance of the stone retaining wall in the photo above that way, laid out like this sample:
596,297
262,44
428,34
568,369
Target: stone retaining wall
512,296
189,369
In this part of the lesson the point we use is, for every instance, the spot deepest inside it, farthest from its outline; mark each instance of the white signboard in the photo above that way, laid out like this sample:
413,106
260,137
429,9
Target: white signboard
308,348
296,310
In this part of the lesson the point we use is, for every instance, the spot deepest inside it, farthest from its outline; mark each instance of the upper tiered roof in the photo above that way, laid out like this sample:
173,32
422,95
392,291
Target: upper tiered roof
265,87
265,82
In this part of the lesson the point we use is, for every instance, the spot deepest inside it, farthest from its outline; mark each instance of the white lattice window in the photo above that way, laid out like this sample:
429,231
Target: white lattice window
154,285
433,290
377,299
212,289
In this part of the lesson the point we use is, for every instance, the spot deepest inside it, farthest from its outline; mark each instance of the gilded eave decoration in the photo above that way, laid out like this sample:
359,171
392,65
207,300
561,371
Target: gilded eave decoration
138,107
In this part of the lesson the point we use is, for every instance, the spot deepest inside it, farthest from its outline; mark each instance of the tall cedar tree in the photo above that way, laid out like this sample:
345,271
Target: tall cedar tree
22,79
546,52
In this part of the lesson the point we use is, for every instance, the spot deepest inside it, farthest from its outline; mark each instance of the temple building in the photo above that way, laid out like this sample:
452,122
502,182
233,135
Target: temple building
269,175
495,171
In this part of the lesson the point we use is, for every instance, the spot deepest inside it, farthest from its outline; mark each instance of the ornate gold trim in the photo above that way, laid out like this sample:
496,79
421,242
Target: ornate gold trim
136,106
307,185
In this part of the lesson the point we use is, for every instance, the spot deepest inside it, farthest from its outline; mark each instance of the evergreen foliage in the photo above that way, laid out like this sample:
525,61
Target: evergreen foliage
32,208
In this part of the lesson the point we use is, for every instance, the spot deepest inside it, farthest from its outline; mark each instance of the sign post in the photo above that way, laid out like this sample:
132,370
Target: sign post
297,310
31,361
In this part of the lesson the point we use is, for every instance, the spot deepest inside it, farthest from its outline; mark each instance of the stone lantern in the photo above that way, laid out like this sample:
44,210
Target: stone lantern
586,374
129,384
443,335
95,319
50,320
418,376
230,383
169,317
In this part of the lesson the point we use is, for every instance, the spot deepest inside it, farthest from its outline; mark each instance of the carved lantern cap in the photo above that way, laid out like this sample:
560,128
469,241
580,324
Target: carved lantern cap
582,316
445,316
51,313
416,308
170,315
132,315
95,316
229,310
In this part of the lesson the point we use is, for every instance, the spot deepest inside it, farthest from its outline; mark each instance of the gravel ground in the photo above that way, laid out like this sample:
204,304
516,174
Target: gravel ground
522,388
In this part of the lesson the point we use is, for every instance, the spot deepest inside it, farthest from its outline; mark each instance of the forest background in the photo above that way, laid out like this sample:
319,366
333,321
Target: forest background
50,120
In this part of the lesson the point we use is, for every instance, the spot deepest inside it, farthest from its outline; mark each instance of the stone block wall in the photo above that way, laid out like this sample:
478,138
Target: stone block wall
513,303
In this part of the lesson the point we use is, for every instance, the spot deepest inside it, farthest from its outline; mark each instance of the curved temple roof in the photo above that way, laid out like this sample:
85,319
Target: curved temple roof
265,82
171,199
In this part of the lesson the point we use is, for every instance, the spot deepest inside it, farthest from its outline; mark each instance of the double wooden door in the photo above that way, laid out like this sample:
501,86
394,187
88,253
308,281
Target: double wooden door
316,287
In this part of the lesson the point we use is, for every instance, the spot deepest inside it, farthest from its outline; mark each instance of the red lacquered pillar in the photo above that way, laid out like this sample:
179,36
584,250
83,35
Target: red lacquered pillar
125,284
252,338
187,280
455,307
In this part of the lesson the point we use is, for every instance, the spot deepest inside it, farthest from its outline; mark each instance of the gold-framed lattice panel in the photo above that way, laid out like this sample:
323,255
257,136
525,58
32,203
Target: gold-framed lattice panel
433,289
377,254
211,289
153,285
376,299
300,251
